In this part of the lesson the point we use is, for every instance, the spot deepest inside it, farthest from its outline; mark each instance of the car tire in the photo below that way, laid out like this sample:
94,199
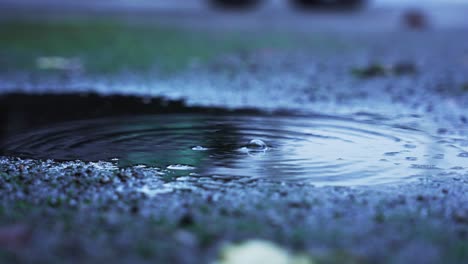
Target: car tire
234,4
330,4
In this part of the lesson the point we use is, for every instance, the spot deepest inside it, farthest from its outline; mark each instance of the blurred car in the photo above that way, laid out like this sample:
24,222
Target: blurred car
301,4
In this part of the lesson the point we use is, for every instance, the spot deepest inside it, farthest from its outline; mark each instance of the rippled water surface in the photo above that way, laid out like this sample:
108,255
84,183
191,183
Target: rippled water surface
322,150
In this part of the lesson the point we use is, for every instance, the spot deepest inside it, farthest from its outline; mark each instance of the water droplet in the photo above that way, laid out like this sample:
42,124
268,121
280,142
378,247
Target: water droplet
255,146
463,155
199,148
180,167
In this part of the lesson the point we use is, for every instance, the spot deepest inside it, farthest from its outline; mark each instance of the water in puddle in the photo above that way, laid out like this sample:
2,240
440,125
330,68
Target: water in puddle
322,150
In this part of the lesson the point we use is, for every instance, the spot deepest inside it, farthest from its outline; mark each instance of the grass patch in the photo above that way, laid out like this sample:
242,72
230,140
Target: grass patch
458,252
101,46
110,46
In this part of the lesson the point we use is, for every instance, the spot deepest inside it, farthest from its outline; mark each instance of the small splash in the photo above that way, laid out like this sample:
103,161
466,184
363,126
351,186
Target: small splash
199,148
180,167
255,146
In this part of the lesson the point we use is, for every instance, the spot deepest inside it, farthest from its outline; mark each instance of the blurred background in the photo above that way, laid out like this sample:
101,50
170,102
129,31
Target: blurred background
108,36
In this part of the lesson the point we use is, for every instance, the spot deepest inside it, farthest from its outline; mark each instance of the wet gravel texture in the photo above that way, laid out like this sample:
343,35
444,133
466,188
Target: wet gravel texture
92,212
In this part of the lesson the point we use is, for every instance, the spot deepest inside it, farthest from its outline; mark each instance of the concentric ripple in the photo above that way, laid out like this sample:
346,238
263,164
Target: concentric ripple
322,150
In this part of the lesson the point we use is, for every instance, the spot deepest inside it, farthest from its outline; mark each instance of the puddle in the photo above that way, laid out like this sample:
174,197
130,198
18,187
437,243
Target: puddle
322,150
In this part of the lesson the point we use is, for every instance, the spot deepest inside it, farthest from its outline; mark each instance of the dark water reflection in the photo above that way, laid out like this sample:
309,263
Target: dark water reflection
322,150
